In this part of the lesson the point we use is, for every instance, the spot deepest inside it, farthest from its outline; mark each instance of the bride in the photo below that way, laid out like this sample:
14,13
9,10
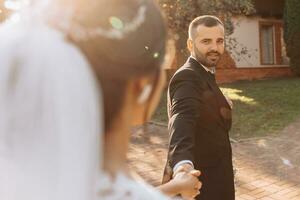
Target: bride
52,62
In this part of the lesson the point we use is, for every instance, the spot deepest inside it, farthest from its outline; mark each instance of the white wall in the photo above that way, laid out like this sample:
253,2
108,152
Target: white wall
246,33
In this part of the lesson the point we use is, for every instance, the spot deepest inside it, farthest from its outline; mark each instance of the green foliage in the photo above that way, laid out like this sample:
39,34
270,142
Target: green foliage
180,13
292,33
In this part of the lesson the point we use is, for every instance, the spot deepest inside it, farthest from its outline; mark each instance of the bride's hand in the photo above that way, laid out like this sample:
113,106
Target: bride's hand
188,183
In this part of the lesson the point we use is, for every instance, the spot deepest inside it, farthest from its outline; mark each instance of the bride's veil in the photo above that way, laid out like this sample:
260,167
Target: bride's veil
50,116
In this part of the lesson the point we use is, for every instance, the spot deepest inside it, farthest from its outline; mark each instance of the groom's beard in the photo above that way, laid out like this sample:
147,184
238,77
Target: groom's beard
210,59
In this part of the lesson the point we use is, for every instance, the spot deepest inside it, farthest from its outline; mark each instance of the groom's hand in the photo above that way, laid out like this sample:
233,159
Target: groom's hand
183,168
189,184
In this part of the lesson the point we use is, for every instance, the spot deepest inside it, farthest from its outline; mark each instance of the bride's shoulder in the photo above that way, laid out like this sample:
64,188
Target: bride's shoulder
123,187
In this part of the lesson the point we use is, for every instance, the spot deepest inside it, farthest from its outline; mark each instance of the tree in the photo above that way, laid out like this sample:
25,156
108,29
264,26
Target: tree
292,33
180,13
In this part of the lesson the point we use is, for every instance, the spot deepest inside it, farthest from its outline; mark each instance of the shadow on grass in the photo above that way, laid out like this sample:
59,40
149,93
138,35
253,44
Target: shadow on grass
261,107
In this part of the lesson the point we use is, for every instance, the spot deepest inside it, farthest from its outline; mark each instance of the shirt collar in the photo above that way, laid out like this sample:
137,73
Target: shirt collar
212,70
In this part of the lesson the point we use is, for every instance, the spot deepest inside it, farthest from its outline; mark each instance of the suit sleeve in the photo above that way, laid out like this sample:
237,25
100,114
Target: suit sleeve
185,109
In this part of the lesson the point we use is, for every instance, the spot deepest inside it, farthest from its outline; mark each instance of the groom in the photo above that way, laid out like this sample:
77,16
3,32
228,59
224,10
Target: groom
200,115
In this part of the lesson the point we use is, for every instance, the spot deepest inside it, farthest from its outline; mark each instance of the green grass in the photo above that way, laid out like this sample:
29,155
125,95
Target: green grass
261,108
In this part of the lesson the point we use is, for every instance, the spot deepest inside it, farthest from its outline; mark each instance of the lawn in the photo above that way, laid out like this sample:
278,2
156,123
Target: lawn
261,108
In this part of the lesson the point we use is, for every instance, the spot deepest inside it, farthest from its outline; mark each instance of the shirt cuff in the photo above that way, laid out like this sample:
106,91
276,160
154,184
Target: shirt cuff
182,162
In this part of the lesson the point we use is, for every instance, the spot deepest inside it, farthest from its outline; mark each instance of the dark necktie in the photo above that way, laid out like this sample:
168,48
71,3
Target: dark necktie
211,76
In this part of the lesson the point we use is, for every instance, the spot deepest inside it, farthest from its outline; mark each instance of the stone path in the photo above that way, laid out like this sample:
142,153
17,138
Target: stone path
266,168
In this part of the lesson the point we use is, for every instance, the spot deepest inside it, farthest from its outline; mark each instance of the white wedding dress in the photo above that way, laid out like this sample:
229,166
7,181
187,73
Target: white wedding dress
51,121
125,188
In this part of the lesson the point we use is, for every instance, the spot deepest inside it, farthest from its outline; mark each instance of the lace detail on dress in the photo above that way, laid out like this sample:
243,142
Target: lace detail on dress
124,188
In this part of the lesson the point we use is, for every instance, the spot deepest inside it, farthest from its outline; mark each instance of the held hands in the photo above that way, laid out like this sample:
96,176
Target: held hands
183,168
188,183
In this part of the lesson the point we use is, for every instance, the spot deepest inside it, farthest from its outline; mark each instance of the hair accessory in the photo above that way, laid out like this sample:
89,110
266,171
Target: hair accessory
145,94
118,30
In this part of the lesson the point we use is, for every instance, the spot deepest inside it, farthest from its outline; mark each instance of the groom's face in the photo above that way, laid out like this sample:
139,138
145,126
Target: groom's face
207,45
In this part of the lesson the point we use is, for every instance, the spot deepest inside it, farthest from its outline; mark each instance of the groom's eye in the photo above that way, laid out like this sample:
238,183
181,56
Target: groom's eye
205,41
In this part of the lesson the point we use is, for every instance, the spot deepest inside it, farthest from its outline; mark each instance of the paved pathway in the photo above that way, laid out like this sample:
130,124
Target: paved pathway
266,168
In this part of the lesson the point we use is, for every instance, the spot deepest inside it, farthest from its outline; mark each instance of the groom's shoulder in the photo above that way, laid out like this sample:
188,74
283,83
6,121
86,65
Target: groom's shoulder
185,72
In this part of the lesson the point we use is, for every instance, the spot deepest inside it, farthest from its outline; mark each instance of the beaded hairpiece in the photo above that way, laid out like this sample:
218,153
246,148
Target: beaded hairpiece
118,30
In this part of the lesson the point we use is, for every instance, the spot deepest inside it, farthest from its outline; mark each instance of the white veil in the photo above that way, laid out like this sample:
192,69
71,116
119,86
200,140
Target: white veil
50,118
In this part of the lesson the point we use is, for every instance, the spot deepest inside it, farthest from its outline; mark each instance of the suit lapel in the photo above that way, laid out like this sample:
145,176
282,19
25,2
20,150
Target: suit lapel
211,82
222,102
221,98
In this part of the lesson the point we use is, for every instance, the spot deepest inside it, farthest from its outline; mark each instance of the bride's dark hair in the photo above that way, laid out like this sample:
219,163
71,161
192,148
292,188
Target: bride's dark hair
139,52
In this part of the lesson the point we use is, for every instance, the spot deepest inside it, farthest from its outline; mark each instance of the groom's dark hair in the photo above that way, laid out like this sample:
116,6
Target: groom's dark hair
205,20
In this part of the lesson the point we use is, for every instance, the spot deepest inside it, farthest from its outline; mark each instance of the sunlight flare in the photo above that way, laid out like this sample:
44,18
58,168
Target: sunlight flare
116,23
235,94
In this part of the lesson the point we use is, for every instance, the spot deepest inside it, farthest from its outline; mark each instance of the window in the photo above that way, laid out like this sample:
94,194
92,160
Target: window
267,44
272,47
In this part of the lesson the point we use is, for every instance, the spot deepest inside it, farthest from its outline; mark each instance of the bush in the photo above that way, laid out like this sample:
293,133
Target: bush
292,33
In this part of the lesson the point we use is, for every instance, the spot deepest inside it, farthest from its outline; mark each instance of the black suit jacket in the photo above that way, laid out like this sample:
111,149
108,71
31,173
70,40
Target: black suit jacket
199,122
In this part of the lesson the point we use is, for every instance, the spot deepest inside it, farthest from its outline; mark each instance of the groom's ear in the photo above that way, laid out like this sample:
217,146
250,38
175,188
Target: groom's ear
189,44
